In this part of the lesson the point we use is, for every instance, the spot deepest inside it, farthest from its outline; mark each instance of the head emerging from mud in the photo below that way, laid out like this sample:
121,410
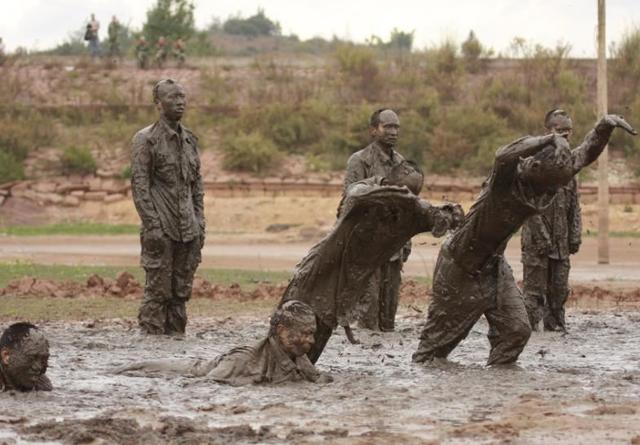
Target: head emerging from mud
550,168
24,356
384,127
170,99
408,174
294,324
558,122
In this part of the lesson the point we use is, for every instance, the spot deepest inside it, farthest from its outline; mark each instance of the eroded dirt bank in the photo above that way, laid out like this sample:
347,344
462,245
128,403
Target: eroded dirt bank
583,387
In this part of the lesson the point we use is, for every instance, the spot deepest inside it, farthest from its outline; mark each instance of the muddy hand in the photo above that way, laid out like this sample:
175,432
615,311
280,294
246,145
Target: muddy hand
457,214
349,333
618,121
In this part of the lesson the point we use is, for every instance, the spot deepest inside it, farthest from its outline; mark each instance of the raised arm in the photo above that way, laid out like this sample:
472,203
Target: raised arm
141,182
596,140
439,219
522,148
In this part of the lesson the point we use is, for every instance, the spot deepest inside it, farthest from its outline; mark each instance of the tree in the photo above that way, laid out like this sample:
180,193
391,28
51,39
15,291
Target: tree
172,19
471,51
400,40
254,26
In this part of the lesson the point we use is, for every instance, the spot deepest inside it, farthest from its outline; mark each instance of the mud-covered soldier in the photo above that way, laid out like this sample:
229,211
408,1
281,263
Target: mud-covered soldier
168,195
377,217
162,52
472,277
547,241
24,356
113,33
278,358
142,53
377,159
179,52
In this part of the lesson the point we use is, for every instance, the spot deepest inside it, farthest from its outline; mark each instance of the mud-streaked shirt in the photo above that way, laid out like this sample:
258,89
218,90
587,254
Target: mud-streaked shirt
42,384
166,183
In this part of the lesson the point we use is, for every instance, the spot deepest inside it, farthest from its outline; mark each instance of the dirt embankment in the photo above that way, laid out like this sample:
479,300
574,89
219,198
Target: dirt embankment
125,285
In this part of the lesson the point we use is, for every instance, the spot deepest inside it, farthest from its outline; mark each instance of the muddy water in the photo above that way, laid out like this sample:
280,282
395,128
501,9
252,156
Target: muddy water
583,387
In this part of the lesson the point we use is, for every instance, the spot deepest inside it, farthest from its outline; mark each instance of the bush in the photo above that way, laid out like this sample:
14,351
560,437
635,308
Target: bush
250,152
10,168
78,160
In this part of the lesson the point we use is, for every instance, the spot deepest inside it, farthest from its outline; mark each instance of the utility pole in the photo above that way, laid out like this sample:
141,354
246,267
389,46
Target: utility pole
603,160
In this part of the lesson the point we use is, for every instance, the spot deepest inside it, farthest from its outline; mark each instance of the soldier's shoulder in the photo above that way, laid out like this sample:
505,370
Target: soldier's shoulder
143,135
43,384
361,154
190,133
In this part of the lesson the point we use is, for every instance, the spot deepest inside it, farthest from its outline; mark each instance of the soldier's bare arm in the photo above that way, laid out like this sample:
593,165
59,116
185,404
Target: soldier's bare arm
141,183
597,139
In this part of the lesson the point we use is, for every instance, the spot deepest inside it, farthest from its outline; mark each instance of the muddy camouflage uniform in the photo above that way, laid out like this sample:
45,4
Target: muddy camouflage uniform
168,194
43,383
382,291
472,277
331,277
547,241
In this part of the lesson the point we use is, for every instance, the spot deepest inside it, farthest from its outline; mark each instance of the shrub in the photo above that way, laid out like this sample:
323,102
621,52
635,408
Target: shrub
250,152
11,169
78,160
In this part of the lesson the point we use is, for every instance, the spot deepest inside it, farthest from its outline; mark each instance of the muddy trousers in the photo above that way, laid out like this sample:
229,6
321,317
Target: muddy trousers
321,337
382,298
169,266
460,299
546,289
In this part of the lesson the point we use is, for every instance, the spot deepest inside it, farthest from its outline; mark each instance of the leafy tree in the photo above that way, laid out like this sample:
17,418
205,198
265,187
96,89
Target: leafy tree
400,40
471,51
256,25
172,19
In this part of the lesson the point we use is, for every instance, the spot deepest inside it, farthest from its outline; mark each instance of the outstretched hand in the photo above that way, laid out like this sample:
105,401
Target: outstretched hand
448,217
618,121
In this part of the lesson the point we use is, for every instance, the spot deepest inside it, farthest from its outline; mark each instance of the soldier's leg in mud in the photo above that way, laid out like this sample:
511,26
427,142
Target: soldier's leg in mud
535,279
456,305
369,305
389,295
321,337
186,259
156,259
509,328
557,295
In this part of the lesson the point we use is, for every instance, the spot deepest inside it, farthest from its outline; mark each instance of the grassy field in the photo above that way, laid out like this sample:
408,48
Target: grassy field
72,229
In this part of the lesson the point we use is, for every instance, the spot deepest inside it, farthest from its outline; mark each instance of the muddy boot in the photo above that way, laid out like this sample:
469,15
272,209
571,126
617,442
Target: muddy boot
152,316
176,321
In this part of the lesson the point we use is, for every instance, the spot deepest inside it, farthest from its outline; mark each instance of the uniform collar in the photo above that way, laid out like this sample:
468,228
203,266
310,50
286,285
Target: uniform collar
281,357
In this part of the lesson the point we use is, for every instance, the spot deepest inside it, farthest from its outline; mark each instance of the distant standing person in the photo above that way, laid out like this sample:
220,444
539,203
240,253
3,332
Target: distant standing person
142,53
162,52
3,56
178,52
114,37
547,241
91,35
167,191
377,159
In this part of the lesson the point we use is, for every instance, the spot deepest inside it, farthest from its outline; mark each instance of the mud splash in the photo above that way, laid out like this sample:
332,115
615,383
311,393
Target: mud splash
580,387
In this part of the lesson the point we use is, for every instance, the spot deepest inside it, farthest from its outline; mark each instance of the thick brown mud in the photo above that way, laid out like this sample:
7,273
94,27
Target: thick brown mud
583,387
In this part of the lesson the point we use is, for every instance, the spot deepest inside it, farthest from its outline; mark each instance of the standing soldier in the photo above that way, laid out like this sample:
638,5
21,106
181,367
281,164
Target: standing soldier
547,241
167,191
91,35
377,159
162,52
142,53
178,52
114,36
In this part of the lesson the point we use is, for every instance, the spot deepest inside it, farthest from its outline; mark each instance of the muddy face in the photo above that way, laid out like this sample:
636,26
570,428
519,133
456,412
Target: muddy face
297,339
27,362
386,133
562,126
172,101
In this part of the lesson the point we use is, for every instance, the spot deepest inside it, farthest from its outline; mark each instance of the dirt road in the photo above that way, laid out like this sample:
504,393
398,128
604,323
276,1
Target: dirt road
241,252
568,389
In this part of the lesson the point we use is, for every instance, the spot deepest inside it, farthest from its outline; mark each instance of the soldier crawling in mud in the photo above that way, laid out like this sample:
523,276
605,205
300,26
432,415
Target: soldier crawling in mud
378,216
278,358
167,191
547,241
24,356
377,159
471,276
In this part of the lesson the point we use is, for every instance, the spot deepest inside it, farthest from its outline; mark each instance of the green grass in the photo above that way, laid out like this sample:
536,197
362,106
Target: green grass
613,234
72,229
247,279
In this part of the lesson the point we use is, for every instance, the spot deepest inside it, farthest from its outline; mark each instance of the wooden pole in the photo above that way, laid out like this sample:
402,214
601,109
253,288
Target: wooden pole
603,160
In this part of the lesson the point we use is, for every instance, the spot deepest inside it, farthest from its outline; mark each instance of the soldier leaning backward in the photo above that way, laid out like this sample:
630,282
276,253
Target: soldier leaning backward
168,194
472,277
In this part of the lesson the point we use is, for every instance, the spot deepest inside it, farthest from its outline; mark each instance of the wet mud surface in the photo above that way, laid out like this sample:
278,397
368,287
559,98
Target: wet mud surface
583,387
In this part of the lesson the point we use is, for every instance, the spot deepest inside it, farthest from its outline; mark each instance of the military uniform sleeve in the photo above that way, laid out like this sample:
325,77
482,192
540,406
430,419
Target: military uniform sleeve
594,143
574,216
141,169
355,171
198,189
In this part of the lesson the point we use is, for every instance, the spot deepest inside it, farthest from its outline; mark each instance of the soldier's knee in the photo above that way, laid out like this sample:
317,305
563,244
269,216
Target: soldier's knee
520,332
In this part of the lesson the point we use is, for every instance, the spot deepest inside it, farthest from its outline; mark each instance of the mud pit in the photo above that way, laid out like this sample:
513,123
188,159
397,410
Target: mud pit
580,388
